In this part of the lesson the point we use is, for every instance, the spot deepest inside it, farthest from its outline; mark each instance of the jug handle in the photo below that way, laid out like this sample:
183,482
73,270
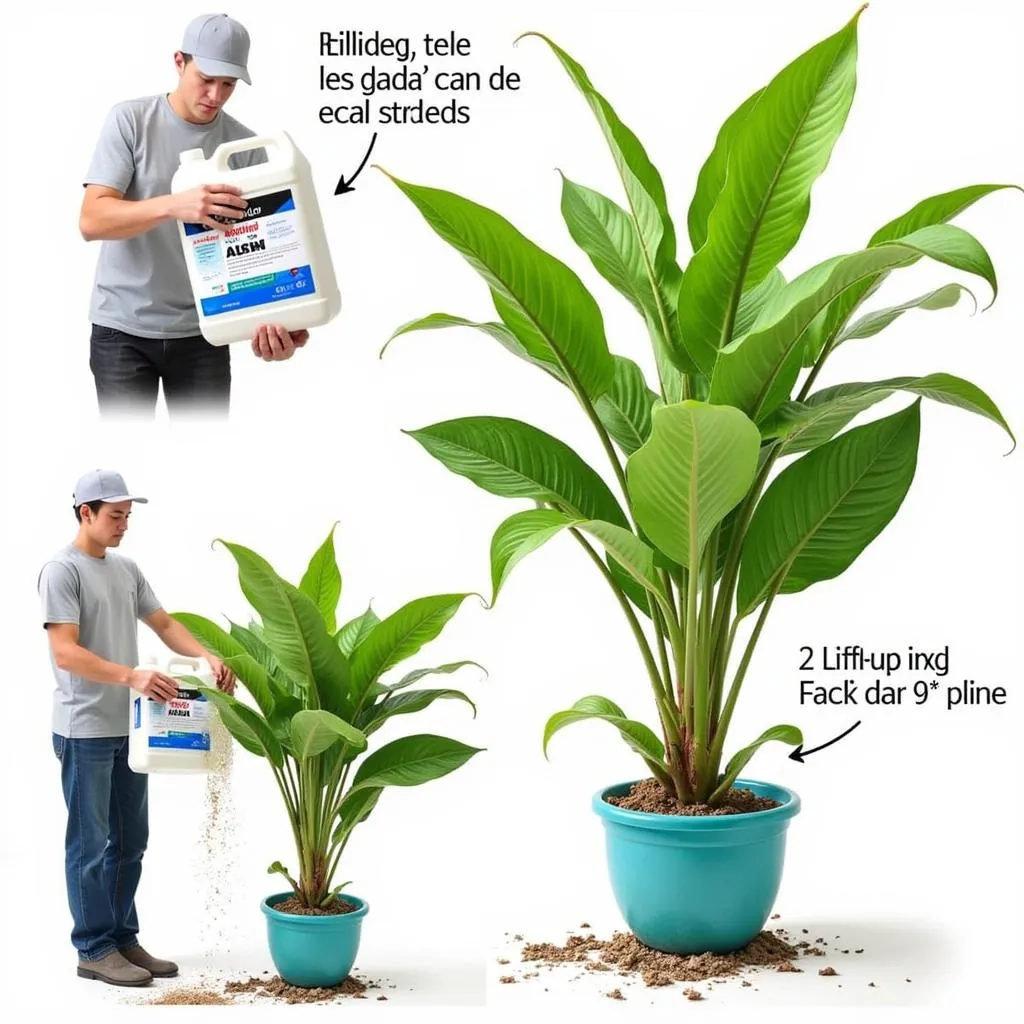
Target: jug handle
228,149
192,663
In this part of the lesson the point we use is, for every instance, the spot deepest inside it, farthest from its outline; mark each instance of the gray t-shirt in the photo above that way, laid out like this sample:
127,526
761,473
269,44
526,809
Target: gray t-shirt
141,285
104,597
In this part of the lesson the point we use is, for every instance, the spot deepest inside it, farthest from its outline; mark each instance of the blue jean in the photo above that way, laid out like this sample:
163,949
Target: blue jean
108,828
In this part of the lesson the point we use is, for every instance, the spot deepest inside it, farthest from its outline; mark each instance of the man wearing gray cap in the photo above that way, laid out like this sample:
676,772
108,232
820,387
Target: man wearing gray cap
145,328
91,602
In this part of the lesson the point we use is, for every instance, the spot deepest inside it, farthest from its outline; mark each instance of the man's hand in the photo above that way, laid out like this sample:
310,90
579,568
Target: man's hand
209,205
272,343
224,677
153,684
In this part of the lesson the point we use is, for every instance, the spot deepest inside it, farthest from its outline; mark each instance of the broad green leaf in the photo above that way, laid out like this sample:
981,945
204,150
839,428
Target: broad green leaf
498,331
295,632
779,733
524,532
822,511
406,703
779,150
806,425
648,210
234,655
515,460
421,673
539,288
629,586
313,732
257,649
399,636
699,462
625,408
937,209
638,736
712,175
355,631
756,373
248,727
605,232
321,582
517,536
872,323
645,191
355,808
410,761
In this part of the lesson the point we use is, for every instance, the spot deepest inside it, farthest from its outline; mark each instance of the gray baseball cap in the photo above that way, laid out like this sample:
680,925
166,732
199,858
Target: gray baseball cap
219,45
103,485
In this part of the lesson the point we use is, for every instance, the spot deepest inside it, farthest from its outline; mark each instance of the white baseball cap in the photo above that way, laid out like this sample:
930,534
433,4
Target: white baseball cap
103,485
219,45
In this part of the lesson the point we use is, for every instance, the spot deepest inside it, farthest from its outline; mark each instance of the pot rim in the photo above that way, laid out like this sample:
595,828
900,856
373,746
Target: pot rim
789,806
313,920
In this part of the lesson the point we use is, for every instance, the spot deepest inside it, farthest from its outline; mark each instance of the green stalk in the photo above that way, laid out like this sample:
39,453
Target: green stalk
741,671
695,692
652,669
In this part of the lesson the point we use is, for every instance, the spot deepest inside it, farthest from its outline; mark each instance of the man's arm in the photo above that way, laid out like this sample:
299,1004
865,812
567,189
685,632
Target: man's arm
72,657
181,641
107,216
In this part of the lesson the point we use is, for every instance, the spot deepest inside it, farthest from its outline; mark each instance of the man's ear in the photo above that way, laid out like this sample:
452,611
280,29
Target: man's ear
179,62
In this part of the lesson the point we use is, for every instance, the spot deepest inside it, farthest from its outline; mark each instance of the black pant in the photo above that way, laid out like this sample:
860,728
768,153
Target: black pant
128,370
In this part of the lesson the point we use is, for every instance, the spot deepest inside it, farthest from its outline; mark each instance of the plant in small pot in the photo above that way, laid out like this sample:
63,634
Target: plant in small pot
321,694
737,479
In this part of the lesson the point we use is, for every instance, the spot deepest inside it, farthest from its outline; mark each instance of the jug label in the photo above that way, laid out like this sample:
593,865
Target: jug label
183,723
254,261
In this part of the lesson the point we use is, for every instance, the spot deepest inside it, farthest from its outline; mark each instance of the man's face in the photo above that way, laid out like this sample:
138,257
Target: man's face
202,95
107,526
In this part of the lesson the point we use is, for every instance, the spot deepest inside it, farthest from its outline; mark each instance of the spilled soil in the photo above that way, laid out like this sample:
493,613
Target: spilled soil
627,961
648,795
265,989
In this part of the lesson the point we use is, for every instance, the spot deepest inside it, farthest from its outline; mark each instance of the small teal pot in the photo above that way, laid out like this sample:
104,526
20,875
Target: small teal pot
696,885
314,951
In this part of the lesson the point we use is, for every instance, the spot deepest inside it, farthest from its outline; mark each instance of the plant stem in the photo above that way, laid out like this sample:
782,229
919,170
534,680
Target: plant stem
741,671
652,669
695,691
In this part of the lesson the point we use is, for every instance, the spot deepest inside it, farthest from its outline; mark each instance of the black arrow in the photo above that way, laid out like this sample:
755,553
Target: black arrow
799,754
344,186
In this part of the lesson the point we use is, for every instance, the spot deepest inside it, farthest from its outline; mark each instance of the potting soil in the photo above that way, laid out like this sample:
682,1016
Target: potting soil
648,795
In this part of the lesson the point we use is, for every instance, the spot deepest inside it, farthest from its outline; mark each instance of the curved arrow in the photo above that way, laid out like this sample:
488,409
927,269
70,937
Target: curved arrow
344,186
799,754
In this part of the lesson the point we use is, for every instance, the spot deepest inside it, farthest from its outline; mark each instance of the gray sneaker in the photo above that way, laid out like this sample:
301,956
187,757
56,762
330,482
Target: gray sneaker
114,969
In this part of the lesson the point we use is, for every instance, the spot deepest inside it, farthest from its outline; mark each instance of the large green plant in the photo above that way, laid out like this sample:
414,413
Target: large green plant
320,696
702,536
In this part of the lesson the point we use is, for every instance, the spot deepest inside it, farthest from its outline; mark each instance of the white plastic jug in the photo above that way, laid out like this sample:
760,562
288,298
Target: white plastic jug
176,736
273,266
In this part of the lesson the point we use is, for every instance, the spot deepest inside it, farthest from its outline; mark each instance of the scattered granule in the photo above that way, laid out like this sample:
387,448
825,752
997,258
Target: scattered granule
814,951
631,957
828,972
507,979
858,951
805,931
616,993
648,795
517,937
908,981
278,989
585,925
746,984
775,917
787,968
502,961
382,999
871,984
821,941
804,945
845,951
531,974
190,997
692,994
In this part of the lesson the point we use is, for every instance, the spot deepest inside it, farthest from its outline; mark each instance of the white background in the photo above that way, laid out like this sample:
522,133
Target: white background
908,839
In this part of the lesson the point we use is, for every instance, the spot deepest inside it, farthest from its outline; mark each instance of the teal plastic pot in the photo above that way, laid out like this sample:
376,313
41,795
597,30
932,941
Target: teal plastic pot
694,885
313,951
